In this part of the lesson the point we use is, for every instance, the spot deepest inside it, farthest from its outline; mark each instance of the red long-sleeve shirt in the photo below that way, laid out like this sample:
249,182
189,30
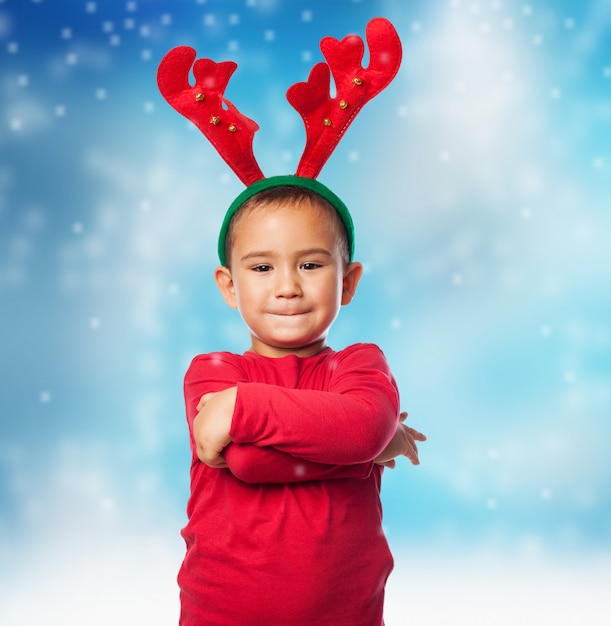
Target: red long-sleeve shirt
291,532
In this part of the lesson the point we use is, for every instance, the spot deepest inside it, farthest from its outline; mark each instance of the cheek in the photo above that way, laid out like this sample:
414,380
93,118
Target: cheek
332,293
247,293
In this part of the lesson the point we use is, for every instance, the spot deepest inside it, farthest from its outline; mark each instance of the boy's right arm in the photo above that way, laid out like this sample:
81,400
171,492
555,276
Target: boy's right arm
212,373
403,443
256,465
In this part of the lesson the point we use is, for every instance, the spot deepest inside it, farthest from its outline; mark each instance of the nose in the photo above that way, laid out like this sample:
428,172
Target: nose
287,283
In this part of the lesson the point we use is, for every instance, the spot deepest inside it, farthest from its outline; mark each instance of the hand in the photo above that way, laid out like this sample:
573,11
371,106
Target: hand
403,443
212,424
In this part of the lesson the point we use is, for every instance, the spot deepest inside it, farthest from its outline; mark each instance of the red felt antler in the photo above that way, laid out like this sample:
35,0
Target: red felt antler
325,118
229,131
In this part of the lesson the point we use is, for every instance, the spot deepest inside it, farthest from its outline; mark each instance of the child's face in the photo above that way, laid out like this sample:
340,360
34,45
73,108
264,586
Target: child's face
287,278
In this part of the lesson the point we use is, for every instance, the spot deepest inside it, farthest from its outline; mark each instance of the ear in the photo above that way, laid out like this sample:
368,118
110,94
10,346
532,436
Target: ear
352,275
224,281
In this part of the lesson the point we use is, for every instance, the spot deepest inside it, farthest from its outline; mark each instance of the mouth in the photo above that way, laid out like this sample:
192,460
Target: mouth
287,313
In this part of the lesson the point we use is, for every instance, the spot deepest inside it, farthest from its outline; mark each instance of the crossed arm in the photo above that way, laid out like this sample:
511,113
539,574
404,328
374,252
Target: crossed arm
250,463
317,435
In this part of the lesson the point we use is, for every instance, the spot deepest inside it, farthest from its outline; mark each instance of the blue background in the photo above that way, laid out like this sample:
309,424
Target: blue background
480,185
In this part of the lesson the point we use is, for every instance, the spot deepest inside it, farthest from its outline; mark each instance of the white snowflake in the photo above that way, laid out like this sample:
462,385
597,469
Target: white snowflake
95,323
546,493
598,162
494,454
555,93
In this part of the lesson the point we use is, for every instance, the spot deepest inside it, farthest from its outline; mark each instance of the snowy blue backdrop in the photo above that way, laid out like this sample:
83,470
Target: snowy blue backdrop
480,184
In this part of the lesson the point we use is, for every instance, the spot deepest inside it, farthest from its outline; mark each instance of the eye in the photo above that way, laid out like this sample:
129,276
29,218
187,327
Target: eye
262,267
310,265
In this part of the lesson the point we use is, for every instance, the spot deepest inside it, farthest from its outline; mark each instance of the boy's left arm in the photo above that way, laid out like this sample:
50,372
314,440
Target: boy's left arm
349,423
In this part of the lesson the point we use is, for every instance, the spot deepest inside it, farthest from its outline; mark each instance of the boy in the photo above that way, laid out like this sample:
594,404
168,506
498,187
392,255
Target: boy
289,438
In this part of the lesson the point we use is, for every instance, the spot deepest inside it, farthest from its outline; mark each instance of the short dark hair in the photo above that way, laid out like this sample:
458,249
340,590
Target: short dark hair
295,196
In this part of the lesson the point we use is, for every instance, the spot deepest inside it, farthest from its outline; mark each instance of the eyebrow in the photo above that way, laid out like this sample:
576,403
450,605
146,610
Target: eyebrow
268,253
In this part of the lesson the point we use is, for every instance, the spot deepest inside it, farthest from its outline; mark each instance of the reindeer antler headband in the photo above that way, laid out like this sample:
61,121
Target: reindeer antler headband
326,119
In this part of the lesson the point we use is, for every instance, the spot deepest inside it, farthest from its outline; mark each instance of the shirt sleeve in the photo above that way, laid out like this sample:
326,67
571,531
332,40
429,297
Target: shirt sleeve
350,422
209,373
255,465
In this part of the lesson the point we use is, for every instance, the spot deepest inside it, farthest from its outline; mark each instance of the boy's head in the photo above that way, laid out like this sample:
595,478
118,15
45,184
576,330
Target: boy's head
288,269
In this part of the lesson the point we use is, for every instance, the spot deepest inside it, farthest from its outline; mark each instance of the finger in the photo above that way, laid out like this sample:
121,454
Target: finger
217,462
418,436
412,452
402,416
202,401
390,464
413,457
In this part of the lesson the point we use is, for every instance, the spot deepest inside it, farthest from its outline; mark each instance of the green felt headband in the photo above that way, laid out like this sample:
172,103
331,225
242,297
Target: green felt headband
287,181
